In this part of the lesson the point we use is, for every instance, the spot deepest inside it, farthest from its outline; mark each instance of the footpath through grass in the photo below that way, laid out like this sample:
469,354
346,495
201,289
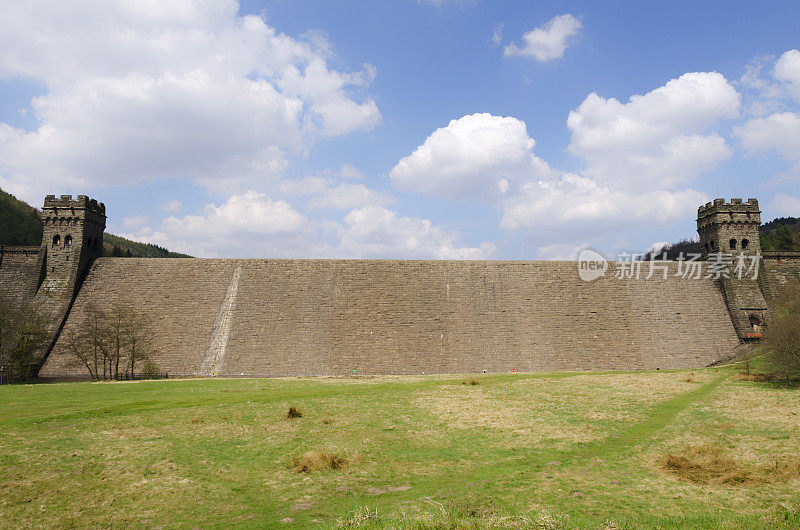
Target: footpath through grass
588,450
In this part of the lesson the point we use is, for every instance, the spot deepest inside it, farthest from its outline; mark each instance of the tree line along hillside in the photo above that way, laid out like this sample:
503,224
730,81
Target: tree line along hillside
781,234
119,247
20,225
19,222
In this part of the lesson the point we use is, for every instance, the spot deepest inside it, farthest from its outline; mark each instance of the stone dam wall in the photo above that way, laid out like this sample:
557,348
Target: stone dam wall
20,269
320,317
780,268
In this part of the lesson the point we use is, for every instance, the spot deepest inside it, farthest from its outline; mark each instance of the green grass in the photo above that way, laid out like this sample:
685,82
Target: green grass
562,450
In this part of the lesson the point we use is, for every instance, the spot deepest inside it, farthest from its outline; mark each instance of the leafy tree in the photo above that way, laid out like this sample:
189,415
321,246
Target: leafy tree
781,238
782,337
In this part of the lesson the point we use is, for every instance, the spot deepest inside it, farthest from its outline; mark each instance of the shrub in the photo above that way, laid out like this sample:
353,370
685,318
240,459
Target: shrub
293,413
319,460
150,370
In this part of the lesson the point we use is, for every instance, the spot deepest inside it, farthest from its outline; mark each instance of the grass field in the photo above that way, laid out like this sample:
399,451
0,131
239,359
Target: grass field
587,450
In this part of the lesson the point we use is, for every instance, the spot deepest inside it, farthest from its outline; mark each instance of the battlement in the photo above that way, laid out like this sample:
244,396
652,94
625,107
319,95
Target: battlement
736,205
81,202
735,212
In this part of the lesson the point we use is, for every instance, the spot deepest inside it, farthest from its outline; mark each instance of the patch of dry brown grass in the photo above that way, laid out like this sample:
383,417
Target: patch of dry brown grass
786,467
754,377
319,460
471,382
706,464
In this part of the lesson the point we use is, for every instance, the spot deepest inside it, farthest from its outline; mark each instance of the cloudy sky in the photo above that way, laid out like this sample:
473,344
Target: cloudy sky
401,128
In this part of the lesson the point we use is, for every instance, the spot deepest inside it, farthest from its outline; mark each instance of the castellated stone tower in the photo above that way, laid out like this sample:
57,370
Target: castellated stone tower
730,229
72,239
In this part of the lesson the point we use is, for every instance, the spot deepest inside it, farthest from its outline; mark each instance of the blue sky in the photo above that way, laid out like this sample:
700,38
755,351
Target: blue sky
402,129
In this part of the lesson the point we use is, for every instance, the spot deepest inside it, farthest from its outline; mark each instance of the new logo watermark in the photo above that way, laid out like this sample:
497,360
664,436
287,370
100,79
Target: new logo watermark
591,265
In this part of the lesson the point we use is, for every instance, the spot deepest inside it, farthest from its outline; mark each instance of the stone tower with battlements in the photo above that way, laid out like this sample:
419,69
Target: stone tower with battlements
729,231
730,227
72,239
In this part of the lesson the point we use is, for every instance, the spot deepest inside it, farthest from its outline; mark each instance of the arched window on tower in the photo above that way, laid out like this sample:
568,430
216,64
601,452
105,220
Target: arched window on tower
68,241
732,244
745,244
56,240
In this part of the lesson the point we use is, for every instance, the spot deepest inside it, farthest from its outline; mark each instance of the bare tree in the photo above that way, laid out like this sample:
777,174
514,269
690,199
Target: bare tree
80,352
782,337
137,340
116,323
106,341
88,346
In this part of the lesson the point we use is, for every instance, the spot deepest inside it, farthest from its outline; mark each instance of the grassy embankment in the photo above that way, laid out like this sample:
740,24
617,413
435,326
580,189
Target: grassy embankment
556,450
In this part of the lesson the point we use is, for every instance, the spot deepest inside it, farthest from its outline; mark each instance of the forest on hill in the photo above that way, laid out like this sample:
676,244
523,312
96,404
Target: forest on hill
782,233
19,222
20,225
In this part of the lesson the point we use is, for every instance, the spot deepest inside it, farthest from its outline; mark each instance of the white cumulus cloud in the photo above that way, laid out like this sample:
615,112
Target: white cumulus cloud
138,90
572,203
478,155
549,41
172,206
377,232
246,225
253,225
658,138
779,132
787,70
490,158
